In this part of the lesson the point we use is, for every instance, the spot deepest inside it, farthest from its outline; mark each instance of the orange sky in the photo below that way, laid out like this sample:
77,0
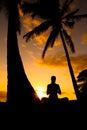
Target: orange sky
39,71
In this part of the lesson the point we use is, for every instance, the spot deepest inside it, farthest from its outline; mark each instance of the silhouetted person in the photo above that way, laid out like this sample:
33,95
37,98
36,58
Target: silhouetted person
53,90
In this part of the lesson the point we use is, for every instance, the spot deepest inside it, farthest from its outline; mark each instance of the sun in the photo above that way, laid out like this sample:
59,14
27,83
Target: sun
41,93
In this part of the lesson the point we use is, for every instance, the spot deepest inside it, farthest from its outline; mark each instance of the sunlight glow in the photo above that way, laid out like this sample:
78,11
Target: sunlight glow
40,92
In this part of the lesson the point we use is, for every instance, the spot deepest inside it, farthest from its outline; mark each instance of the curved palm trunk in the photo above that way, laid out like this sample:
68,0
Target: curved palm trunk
70,69
19,89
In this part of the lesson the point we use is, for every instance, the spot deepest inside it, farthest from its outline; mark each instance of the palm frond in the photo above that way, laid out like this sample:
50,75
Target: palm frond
41,8
28,35
78,17
71,14
70,2
50,41
68,40
69,24
54,35
66,6
38,30
48,8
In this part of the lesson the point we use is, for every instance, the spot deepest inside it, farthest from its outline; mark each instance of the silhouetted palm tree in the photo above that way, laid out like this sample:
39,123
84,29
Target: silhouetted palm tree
19,89
59,20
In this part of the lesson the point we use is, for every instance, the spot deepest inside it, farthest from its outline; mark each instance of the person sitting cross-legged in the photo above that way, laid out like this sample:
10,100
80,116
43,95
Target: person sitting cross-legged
53,90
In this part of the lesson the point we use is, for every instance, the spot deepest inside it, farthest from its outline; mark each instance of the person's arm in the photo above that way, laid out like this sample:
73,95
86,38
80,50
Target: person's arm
59,90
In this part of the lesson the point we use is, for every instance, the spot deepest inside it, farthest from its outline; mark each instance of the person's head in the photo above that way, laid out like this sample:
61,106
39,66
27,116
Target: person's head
53,79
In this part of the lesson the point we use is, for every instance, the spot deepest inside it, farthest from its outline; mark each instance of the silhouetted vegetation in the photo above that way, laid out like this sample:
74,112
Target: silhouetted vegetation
23,104
59,18
19,88
82,85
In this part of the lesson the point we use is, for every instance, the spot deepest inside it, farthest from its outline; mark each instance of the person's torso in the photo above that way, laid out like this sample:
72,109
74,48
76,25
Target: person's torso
53,89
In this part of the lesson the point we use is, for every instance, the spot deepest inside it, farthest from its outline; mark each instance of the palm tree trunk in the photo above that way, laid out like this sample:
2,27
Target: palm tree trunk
70,68
19,89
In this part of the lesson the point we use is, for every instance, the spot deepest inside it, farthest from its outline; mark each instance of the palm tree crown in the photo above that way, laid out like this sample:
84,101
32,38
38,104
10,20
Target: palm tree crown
61,19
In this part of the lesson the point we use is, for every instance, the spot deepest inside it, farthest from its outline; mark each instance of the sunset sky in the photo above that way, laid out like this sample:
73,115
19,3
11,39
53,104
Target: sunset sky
38,70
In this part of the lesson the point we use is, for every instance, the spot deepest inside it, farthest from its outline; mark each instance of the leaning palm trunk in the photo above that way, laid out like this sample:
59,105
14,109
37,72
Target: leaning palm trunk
70,68
19,89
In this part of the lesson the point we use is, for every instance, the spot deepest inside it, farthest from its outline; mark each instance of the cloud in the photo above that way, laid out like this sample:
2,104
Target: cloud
84,38
57,60
54,60
79,62
42,39
29,23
